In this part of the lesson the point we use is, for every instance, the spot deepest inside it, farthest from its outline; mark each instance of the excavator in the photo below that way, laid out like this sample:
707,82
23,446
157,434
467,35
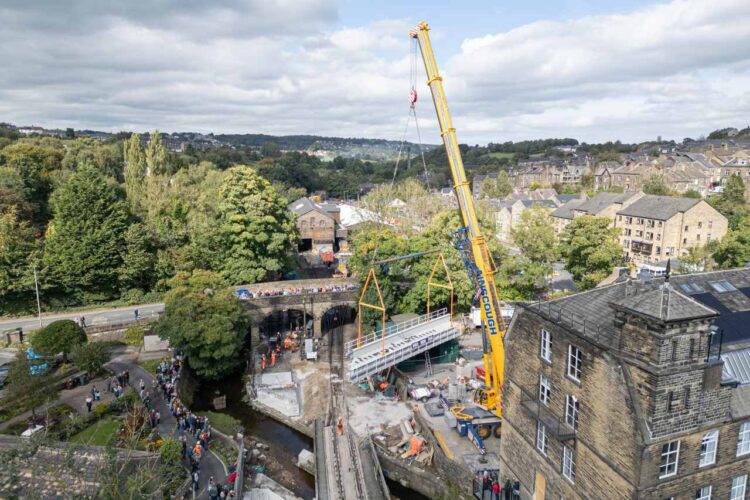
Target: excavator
472,246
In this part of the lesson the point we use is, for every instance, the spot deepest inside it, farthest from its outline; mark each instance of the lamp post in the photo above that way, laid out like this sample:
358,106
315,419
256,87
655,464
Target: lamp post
38,303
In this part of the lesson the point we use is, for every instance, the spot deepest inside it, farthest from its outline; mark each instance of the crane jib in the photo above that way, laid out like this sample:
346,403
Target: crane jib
486,304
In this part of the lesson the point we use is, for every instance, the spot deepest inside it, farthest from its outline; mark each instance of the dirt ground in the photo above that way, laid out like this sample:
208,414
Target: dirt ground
313,381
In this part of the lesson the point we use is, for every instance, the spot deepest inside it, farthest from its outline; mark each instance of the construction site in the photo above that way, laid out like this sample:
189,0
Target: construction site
604,386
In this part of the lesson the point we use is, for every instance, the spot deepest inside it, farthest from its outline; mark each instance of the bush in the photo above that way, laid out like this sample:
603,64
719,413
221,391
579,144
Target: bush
100,410
90,357
134,335
222,422
58,337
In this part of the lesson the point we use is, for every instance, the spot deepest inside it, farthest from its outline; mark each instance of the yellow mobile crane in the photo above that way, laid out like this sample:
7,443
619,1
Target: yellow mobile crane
469,240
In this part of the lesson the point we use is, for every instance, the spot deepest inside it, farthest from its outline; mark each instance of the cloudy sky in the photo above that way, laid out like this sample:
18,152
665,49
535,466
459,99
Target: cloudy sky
629,70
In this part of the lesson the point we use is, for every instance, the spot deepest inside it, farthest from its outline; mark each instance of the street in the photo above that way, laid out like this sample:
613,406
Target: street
93,318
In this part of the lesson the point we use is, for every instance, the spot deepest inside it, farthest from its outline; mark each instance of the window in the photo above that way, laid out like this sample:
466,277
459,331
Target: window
571,411
739,486
710,224
703,493
670,456
628,220
658,236
684,241
700,225
658,249
639,221
569,464
674,350
686,229
723,286
545,393
541,437
743,439
708,448
670,401
546,348
575,362
658,224
686,398
627,232
626,243
639,233
649,223
649,236
691,351
697,237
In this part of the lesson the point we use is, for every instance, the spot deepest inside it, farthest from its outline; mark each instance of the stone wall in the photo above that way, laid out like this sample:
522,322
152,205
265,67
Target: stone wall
451,473
409,476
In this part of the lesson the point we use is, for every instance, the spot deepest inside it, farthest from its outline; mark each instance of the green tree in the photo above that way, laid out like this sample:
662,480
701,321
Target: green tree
89,357
270,150
25,390
171,470
58,337
139,259
691,193
535,235
734,191
209,327
156,155
503,185
19,252
656,185
135,167
85,239
256,231
590,248
734,249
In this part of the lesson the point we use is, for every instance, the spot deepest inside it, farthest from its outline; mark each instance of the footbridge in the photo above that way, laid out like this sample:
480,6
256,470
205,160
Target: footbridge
402,341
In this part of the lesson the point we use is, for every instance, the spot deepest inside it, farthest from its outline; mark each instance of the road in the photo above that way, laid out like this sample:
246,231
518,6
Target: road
93,317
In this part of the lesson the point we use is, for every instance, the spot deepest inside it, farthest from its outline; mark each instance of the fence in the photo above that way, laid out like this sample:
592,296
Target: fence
394,329
573,320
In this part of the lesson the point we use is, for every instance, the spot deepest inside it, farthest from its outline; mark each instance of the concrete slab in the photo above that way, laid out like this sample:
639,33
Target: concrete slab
368,414
306,461
154,343
276,379
265,488
284,401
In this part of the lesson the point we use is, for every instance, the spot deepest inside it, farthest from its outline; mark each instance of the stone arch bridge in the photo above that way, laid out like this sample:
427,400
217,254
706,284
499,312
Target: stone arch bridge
315,297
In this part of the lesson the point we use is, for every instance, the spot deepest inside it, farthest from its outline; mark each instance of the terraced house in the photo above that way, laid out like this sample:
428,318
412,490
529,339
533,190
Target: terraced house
621,393
655,228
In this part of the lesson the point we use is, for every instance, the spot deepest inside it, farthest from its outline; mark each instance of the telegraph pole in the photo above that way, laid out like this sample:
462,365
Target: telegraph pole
38,303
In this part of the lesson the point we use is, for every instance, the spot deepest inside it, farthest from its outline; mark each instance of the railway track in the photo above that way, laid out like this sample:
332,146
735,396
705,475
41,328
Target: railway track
345,462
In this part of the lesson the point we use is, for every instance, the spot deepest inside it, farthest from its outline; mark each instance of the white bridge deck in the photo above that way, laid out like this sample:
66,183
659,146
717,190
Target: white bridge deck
402,342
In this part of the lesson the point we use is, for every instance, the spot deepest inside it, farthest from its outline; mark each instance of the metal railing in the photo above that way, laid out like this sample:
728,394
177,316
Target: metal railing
419,346
557,426
394,329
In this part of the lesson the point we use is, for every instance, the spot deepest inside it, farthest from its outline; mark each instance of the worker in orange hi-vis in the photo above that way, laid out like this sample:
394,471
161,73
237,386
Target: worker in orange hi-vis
287,344
273,359
340,425
263,362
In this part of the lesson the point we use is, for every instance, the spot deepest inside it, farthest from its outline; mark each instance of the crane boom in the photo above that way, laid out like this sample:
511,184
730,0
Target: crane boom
483,266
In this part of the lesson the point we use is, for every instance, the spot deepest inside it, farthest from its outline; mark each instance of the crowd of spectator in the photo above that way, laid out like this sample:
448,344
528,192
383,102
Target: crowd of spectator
251,294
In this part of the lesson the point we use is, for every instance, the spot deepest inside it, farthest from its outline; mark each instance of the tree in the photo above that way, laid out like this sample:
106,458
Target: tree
209,326
256,231
70,133
734,249
27,390
58,337
139,259
535,235
89,357
171,470
135,167
734,191
656,185
85,238
691,193
504,187
590,248
156,155
19,251
270,150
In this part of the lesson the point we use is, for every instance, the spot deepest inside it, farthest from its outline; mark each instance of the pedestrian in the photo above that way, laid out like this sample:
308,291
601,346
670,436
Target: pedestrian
97,395
273,358
158,417
142,384
196,479
109,385
213,492
83,322
340,425
126,375
495,491
142,394
89,401
136,314
183,441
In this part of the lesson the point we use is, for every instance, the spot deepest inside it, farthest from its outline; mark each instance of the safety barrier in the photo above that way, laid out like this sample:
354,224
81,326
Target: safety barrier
393,330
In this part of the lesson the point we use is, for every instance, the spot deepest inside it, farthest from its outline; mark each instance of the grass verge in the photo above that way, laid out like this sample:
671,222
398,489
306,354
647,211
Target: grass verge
101,433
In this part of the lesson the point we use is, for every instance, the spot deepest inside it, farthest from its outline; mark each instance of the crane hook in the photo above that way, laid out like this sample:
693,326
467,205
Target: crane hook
412,98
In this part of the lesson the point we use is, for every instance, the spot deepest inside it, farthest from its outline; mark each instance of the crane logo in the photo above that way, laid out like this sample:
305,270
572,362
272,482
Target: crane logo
486,305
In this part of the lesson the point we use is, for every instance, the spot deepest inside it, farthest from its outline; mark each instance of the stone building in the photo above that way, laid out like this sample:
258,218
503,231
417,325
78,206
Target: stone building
632,175
658,227
601,205
508,214
617,393
317,224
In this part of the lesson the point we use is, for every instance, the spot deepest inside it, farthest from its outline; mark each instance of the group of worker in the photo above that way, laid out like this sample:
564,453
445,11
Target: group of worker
276,350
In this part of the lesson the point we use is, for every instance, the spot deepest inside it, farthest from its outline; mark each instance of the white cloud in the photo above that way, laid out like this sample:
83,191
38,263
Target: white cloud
284,67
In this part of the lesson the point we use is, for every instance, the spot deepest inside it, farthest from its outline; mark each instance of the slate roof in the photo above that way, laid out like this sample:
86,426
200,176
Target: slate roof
737,366
566,211
564,198
603,200
658,207
542,203
665,304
